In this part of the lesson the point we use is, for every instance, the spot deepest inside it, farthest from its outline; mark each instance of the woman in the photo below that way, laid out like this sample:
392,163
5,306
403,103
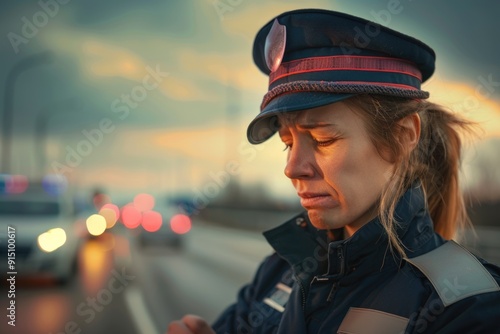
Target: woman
376,168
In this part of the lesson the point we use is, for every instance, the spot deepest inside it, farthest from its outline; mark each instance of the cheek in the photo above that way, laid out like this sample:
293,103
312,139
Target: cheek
332,170
379,170
371,173
356,172
344,166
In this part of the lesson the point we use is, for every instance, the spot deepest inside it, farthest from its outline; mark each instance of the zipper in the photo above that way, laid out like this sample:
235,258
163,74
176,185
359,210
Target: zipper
332,292
302,291
340,255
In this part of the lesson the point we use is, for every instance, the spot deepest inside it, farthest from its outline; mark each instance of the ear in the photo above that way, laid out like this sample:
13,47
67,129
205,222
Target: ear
410,133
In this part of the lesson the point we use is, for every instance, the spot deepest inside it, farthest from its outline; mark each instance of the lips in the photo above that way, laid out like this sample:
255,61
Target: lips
317,200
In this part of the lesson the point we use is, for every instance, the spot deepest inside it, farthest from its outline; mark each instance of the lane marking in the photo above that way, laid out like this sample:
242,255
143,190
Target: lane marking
138,311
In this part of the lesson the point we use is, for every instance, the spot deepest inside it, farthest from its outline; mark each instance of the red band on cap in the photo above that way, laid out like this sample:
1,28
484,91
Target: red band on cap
345,63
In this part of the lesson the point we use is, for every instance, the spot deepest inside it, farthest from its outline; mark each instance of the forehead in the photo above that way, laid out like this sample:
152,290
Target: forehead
334,114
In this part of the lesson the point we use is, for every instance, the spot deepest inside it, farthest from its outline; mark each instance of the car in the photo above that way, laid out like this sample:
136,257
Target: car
41,227
174,224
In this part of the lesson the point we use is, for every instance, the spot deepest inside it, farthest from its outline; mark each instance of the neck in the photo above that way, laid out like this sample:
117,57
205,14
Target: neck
365,218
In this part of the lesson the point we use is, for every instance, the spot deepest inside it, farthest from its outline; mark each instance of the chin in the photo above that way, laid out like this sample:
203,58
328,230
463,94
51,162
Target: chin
324,219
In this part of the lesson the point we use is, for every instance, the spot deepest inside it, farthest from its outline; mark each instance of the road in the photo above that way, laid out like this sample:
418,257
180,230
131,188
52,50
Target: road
204,277
125,288
122,287
201,278
93,302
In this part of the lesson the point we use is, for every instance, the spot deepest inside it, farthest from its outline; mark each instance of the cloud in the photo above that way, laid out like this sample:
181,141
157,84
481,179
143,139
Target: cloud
100,58
473,102
97,56
200,143
180,88
248,17
234,68
205,55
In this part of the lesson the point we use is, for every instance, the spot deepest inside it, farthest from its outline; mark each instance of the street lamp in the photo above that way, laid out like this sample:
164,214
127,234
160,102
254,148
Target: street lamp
42,119
15,71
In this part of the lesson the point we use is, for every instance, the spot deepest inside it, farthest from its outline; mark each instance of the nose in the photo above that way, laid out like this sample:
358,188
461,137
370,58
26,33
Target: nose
300,162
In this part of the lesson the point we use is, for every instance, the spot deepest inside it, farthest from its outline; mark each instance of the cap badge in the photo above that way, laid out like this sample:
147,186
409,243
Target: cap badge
274,49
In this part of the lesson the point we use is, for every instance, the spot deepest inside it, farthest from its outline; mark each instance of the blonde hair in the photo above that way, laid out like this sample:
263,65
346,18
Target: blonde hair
435,161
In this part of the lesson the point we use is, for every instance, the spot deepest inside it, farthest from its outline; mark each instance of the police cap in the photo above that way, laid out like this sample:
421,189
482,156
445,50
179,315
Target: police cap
315,57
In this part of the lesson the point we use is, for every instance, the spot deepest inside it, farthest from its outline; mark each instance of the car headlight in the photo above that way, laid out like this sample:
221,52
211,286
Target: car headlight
96,225
52,239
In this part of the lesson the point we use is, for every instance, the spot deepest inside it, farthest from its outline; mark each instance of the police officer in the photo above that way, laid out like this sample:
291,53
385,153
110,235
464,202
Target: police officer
376,168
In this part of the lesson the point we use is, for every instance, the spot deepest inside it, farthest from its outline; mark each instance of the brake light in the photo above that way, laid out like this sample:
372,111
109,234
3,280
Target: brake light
131,217
180,224
151,221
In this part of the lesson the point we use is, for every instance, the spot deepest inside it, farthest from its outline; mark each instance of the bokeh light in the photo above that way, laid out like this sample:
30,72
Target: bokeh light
144,202
4,180
131,216
54,184
52,239
96,262
109,215
151,221
17,185
180,224
13,184
48,311
114,208
96,225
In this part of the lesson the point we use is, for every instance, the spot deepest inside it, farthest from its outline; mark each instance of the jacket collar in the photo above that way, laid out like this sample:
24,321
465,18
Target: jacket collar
309,252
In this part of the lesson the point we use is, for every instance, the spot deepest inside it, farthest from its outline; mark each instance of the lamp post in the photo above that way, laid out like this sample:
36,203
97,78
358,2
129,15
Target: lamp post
15,71
42,120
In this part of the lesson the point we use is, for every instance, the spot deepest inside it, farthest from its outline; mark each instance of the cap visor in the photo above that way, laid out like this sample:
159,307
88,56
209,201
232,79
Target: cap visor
265,124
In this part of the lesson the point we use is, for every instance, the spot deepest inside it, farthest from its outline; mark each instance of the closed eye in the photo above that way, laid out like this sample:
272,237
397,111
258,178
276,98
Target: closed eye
324,142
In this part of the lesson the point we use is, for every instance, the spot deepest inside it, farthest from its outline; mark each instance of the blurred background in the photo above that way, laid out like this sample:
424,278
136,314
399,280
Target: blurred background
125,168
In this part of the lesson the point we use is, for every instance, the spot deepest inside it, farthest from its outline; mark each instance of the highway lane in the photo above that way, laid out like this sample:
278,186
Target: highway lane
204,276
93,302
124,288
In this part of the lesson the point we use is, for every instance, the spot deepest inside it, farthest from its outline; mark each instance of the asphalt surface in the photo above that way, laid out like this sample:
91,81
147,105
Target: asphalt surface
125,287
92,302
201,277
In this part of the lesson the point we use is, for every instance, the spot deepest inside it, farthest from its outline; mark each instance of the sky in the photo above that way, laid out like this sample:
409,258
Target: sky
155,96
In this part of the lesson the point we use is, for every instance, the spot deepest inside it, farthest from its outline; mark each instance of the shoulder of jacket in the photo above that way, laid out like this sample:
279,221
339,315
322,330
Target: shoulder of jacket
455,273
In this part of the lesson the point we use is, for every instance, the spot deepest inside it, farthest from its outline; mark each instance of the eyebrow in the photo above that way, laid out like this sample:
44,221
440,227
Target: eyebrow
310,126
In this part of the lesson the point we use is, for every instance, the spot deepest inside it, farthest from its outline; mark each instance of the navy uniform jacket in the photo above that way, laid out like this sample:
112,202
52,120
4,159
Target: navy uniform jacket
358,286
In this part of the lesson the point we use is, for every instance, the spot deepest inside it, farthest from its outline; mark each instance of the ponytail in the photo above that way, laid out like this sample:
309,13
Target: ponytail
435,162
439,150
